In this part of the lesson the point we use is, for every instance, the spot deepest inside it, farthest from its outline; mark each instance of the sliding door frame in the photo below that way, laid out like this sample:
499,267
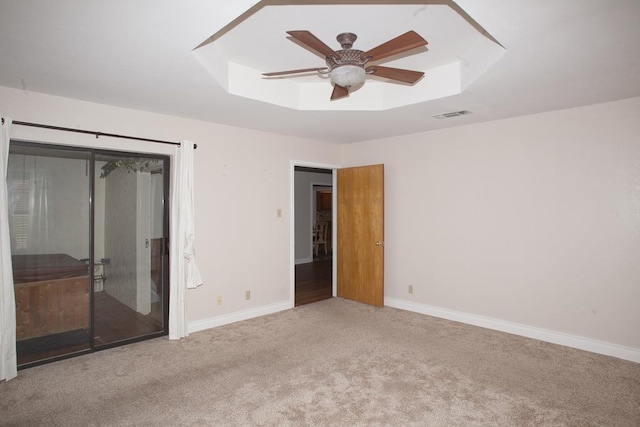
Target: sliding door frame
166,180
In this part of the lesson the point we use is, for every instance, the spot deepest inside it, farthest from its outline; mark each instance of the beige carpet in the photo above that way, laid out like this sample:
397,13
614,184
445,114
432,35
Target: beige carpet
330,363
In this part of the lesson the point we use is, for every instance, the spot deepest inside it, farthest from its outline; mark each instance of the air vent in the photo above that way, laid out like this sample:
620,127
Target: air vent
452,114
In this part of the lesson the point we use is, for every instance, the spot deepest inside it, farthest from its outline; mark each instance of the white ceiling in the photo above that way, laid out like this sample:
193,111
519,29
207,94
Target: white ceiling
138,54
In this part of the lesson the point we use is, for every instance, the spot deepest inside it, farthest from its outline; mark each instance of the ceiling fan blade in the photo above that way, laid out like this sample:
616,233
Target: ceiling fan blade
305,37
407,41
339,92
301,70
402,75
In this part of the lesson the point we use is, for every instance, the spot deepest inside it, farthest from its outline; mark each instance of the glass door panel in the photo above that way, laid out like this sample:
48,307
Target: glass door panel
88,241
129,254
49,221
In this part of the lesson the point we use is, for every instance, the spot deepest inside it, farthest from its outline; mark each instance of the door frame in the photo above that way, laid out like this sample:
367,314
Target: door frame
292,228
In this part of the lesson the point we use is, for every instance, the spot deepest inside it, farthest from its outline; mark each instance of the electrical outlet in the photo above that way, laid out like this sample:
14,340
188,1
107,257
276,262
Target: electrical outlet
219,300
247,295
410,289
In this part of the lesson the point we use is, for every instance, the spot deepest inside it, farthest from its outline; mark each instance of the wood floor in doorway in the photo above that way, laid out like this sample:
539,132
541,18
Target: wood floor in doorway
313,281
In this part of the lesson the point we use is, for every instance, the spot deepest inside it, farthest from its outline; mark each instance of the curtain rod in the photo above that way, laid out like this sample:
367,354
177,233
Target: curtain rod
97,134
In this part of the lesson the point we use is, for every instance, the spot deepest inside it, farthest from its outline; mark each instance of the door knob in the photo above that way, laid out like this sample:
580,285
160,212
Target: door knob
378,243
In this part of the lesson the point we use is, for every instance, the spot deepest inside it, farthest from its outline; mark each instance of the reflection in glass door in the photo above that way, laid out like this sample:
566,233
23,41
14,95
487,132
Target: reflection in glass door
88,240
129,298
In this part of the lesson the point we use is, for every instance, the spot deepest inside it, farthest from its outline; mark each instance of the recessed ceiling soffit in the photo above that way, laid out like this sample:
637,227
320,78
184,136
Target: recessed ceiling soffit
458,52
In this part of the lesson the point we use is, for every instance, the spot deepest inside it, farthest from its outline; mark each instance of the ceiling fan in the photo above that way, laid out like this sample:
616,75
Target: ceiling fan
349,67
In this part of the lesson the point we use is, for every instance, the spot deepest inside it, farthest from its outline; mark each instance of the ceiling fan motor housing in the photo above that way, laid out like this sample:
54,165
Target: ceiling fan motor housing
346,57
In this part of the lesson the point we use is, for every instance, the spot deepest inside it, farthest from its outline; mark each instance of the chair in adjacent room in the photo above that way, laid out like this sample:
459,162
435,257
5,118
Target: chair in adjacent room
320,237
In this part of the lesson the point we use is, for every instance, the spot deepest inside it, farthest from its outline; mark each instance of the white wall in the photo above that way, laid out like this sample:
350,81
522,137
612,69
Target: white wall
241,179
120,236
529,221
533,221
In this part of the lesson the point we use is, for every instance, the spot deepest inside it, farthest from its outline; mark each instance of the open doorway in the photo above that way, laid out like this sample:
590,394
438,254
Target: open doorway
313,208
357,231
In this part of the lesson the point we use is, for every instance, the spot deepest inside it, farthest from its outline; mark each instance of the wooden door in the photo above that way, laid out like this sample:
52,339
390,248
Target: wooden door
360,216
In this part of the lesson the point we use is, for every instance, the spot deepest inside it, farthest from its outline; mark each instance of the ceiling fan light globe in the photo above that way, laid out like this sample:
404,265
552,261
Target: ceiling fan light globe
348,75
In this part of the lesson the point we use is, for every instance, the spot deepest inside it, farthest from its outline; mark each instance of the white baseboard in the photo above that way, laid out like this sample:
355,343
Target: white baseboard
225,319
581,343
304,260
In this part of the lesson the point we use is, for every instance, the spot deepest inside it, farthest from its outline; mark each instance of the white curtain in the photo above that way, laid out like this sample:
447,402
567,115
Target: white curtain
31,190
8,362
184,271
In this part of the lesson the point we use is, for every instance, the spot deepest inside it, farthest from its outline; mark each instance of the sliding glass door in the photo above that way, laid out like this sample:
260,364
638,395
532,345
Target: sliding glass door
88,239
129,251
49,221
